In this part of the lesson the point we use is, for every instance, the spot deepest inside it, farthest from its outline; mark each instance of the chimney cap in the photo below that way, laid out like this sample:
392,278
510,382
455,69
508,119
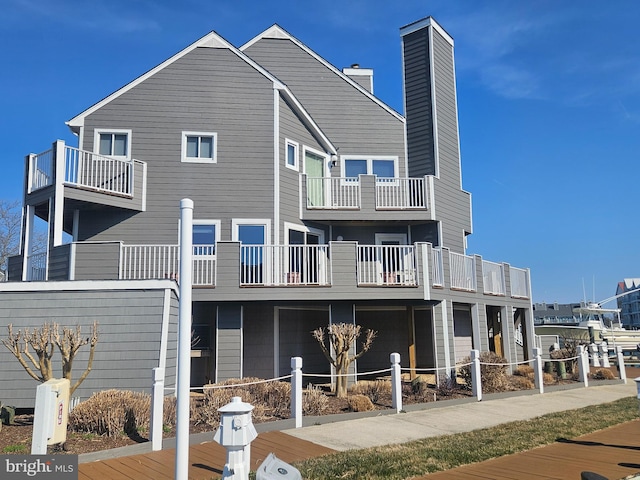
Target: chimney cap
355,65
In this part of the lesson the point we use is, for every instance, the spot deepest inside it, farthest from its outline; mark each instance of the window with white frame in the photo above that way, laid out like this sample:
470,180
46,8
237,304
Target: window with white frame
382,167
205,235
291,154
199,147
112,143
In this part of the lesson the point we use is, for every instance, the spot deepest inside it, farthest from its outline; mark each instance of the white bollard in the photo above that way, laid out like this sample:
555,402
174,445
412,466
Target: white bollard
621,367
396,382
296,390
595,356
157,407
604,350
236,433
583,365
476,376
537,369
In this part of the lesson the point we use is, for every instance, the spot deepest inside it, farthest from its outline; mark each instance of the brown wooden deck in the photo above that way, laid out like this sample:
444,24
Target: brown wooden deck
206,460
613,453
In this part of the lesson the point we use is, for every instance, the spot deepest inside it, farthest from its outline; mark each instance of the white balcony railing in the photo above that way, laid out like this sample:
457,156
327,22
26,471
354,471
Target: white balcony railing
462,271
282,265
519,282
37,267
83,169
437,270
493,278
143,262
387,265
400,193
105,174
40,170
333,192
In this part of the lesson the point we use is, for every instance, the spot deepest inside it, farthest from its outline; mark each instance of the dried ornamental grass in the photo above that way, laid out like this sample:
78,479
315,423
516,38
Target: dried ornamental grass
360,403
374,389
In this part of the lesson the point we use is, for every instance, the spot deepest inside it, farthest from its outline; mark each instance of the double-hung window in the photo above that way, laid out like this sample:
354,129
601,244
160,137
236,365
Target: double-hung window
206,234
199,147
113,143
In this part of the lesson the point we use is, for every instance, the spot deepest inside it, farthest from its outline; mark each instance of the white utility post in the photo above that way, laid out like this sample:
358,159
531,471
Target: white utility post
184,340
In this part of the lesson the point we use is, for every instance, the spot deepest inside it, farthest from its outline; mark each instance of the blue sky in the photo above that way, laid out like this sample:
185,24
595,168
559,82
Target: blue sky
548,95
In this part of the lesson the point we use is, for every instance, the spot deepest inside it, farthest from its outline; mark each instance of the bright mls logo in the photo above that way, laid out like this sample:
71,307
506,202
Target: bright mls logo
60,467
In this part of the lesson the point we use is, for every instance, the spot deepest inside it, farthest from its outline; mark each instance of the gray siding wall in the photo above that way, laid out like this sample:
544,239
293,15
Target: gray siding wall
97,261
258,333
351,120
229,342
419,105
130,327
59,262
431,97
207,90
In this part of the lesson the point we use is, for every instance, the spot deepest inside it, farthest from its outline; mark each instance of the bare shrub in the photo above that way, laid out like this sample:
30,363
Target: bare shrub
493,371
314,401
447,385
114,412
373,389
519,382
524,371
360,403
548,379
603,374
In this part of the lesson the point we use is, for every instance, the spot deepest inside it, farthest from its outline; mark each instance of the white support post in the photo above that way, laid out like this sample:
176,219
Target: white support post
583,365
157,406
537,369
296,390
595,355
476,377
604,350
621,367
184,341
396,382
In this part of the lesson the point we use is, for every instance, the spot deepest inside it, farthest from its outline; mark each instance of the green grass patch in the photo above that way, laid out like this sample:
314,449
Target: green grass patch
19,448
397,462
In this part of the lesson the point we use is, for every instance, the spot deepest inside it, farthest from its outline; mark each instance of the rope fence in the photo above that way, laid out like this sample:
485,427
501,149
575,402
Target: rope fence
584,359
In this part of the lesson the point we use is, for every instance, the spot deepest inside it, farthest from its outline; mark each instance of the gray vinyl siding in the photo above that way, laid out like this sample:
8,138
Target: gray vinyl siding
292,128
229,342
419,105
391,327
59,263
97,261
353,122
207,90
129,325
296,340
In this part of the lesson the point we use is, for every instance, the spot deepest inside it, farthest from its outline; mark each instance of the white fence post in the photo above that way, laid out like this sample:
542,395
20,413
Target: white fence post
157,406
396,382
537,369
595,355
583,365
621,368
476,377
604,350
296,390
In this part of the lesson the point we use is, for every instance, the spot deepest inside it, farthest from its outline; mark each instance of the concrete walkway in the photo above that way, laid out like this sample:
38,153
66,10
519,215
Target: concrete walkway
454,418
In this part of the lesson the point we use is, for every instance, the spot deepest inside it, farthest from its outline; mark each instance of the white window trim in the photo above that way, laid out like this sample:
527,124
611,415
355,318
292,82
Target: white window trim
369,159
183,151
302,228
266,222
96,141
319,153
296,160
210,222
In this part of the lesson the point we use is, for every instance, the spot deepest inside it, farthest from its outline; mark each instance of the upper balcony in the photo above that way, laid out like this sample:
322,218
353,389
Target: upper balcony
339,270
85,176
367,197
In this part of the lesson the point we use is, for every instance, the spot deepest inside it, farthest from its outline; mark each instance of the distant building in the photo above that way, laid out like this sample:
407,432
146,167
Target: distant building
555,314
629,305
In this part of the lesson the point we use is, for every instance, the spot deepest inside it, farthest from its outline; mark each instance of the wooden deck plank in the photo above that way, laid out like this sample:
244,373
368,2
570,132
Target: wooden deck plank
613,453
